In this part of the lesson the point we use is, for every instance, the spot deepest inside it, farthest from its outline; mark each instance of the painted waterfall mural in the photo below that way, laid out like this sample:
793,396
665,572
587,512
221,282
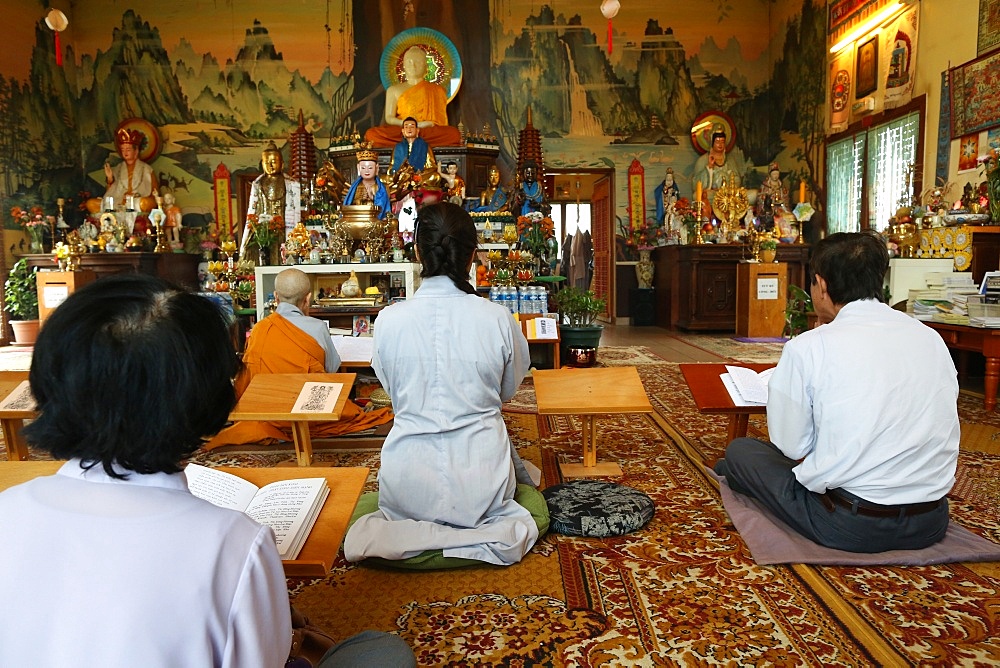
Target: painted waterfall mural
218,79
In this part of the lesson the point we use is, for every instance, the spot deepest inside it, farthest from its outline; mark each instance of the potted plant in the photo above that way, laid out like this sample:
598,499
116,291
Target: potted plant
20,299
768,249
578,310
799,312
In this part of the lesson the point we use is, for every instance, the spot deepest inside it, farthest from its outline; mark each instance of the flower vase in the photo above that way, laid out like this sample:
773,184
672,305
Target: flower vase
263,257
36,245
644,269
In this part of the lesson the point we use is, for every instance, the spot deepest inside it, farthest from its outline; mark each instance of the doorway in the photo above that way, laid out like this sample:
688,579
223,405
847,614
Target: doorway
582,202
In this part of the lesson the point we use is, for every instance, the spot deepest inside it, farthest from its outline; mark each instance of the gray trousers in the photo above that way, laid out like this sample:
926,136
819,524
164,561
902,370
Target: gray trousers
370,648
760,470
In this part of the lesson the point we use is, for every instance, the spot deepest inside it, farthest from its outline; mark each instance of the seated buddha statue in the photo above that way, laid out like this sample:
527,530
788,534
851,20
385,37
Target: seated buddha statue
423,100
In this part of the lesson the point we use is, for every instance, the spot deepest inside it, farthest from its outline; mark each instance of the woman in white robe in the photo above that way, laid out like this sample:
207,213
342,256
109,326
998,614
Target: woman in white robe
448,359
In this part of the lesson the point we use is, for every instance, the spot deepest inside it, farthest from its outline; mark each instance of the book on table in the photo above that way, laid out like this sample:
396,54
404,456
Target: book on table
747,387
289,507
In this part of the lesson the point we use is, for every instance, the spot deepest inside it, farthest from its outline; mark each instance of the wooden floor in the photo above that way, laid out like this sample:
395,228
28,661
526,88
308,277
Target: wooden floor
657,339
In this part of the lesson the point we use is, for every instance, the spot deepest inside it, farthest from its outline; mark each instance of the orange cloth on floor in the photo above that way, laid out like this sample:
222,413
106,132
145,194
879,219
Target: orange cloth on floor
278,346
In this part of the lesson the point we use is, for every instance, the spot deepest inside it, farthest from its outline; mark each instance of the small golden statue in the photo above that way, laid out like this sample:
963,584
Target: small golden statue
730,204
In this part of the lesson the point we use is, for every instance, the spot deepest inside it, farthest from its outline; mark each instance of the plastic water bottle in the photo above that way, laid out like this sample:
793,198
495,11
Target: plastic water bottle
533,299
543,300
494,293
512,301
523,297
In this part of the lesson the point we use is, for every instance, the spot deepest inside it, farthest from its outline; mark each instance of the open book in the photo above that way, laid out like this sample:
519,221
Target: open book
289,507
541,328
747,387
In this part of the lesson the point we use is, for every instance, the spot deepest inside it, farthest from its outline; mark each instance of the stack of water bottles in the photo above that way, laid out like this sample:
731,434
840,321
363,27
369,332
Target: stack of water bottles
525,300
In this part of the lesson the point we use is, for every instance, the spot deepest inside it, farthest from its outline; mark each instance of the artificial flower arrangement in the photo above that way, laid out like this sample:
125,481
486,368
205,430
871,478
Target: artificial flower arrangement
535,230
264,230
646,236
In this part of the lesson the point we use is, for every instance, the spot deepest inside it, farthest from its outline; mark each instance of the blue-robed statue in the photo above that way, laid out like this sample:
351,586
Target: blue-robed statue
411,149
368,187
493,197
529,195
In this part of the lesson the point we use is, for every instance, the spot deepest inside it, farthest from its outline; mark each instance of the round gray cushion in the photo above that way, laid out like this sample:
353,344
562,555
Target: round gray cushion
596,508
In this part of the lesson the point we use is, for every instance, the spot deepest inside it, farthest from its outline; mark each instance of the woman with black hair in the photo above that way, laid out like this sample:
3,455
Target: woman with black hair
112,561
448,359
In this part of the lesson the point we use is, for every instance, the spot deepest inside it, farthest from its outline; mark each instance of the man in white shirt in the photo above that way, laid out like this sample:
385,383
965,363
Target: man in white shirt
862,415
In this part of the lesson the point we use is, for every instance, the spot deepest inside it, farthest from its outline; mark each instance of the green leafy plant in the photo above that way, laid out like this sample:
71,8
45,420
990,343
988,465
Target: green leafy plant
769,244
578,308
20,293
798,307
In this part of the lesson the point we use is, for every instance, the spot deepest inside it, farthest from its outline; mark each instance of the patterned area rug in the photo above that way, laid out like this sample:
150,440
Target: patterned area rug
756,352
684,590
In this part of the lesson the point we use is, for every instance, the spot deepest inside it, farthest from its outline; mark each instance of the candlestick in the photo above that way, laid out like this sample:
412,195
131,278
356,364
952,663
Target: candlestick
802,191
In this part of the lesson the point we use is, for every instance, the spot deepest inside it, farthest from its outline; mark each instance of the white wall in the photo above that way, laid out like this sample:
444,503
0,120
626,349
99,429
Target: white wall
948,30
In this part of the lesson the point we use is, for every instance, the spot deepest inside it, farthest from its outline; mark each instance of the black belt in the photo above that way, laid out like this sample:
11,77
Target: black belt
834,498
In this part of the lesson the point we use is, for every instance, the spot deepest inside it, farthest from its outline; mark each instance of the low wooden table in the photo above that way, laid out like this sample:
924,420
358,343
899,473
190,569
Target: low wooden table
588,393
554,344
711,396
978,340
11,422
271,396
323,543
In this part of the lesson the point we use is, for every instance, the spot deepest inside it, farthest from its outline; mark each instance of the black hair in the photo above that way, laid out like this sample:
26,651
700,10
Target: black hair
131,371
446,240
410,118
450,163
853,264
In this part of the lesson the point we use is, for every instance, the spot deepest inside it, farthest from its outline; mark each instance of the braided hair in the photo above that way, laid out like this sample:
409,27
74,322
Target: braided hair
446,240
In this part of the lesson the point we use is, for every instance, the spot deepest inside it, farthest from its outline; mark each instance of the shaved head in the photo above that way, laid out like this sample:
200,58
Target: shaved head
292,286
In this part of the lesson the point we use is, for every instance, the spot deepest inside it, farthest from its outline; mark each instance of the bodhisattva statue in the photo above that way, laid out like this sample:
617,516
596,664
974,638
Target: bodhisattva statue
368,187
273,194
493,197
423,100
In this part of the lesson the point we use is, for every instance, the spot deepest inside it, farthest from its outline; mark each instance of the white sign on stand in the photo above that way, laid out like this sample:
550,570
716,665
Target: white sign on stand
767,288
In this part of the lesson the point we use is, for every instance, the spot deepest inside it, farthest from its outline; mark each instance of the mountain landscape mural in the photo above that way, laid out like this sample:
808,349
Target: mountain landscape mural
214,107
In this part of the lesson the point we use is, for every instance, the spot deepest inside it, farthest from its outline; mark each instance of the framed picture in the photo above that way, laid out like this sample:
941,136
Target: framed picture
989,26
974,103
866,64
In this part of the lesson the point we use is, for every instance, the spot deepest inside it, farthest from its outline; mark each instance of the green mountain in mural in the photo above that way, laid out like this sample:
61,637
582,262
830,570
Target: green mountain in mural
557,67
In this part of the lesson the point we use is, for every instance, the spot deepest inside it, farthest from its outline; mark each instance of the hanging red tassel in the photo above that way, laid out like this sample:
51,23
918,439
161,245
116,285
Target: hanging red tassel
58,51
609,36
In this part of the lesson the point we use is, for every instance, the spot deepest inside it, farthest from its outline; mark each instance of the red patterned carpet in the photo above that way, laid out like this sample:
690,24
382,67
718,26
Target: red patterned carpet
684,590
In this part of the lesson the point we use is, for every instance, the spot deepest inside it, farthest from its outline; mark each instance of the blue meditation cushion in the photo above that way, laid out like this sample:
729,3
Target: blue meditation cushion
597,508
526,496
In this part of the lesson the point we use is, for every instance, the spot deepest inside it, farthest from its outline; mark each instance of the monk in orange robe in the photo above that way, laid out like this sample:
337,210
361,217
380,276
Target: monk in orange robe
423,100
276,345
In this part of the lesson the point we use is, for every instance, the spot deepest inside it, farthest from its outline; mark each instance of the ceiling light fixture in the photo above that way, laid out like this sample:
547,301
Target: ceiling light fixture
865,27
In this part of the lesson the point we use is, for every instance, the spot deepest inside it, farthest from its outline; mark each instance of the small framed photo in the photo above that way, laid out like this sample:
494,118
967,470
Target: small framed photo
866,63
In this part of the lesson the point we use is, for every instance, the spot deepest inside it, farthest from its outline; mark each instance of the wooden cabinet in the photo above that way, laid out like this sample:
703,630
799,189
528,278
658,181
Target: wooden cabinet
179,268
696,284
402,276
